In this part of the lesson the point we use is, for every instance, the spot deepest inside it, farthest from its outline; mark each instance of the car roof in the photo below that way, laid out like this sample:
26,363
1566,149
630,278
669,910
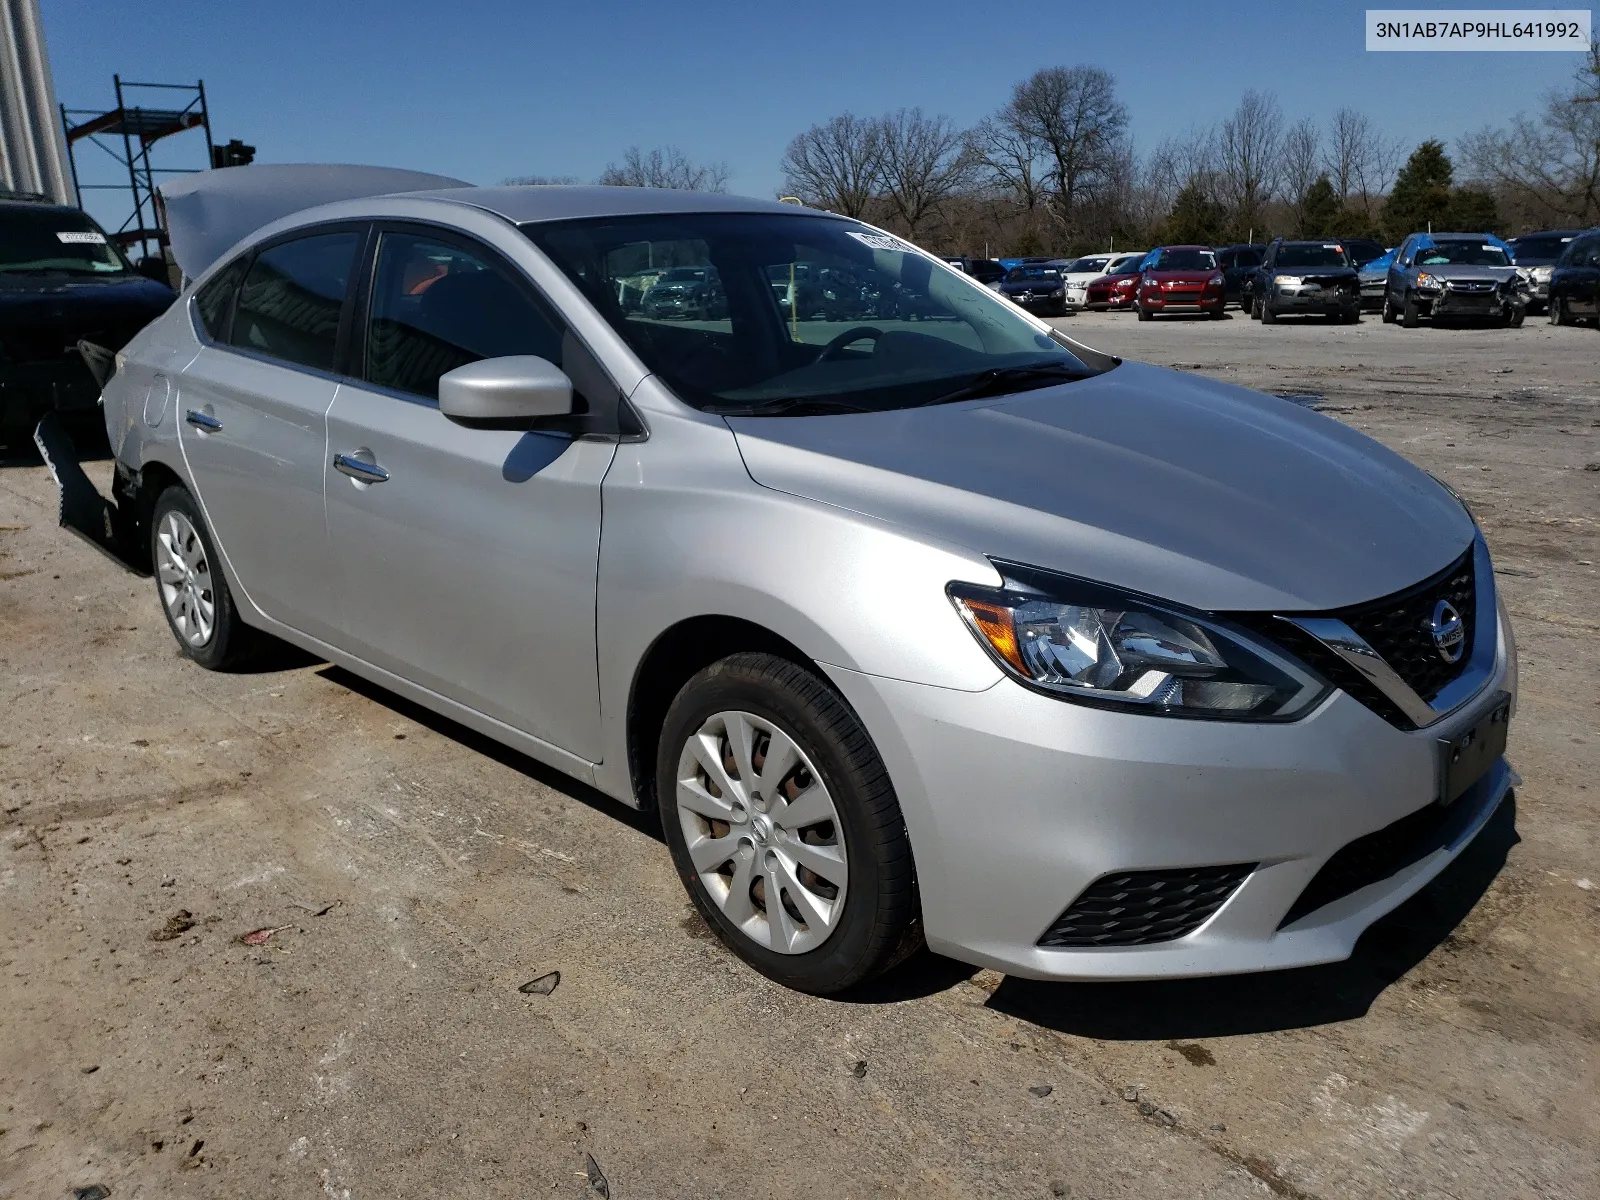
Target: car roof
564,203
1185,247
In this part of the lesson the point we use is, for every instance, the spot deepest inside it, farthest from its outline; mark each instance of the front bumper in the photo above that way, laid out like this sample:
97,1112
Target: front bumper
1313,300
1016,802
1048,303
1448,303
1186,303
1106,301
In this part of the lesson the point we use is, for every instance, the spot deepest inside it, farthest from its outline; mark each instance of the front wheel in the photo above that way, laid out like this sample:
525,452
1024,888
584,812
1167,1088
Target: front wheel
1558,312
1410,315
1140,309
1514,319
784,826
189,583
1388,310
1269,315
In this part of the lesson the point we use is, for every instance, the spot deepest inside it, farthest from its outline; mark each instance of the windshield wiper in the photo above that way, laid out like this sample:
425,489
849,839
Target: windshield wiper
999,380
788,406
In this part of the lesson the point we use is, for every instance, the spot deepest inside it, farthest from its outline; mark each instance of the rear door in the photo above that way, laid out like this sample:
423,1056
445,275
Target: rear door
252,411
1585,288
467,557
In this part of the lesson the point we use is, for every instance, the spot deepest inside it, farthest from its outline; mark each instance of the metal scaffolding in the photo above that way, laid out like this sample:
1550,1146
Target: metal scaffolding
126,133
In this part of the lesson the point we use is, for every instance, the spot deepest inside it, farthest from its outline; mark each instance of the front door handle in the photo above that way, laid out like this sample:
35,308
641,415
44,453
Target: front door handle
203,421
359,469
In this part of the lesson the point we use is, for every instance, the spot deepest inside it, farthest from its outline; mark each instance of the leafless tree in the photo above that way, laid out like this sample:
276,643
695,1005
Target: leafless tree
1249,148
1074,113
837,165
665,167
1302,160
1010,159
924,162
1360,162
1549,168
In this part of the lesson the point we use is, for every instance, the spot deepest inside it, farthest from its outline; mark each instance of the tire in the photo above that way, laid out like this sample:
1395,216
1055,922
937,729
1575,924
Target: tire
1255,309
191,588
1388,310
1140,309
1410,316
1514,321
752,700
1350,316
1216,314
1558,312
1269,315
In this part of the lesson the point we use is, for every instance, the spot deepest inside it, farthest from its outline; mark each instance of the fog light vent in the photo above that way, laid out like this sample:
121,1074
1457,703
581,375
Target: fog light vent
1135,908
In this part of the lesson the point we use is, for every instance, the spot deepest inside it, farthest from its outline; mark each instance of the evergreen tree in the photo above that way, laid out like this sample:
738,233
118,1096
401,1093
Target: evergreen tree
1421,193
1195,220
1319,211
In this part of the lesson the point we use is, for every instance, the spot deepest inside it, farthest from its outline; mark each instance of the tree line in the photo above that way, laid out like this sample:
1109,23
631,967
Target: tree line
1055,171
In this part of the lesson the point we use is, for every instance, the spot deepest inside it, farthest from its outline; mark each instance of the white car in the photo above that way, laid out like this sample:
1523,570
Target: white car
1087,269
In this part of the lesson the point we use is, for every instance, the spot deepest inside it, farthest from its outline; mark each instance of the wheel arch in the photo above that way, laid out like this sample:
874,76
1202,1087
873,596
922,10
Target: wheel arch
677,654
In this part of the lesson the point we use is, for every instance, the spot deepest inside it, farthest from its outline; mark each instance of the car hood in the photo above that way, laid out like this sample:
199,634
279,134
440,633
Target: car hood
1112,280
1446,271
74,298
1201,492
1030,285
1179,276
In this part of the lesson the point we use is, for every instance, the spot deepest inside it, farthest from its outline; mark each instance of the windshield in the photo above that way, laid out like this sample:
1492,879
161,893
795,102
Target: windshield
1362,252
1312,256
1125,265
1462,254
50,241
1532,251
1023,274
1186,260
1085,265
809,309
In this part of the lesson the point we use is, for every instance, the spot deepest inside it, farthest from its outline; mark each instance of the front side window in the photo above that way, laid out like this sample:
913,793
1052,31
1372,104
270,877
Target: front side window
752,312
290,302
1462,254
437,306
47,240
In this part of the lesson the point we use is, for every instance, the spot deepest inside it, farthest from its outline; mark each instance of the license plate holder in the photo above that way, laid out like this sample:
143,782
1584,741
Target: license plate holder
1464,758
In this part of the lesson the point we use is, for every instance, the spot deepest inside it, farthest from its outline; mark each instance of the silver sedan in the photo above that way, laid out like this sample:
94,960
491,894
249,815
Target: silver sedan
919,624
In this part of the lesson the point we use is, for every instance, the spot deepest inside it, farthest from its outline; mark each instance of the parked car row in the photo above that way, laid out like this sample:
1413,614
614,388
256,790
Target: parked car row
1428,276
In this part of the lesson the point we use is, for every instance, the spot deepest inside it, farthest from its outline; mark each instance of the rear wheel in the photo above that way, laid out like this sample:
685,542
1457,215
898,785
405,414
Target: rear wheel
784,826
189,583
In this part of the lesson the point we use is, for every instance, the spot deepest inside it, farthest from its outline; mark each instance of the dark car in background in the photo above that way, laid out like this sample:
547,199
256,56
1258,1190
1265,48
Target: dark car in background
1374,275
687,293
1180,279
1238,265
1456,275
985,270
1535,255
61,281
1361,251
1037,287
1575,282
1118,287
1309,279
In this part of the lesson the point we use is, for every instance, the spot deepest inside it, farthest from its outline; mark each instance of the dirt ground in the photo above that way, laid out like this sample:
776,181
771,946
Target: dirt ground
151,813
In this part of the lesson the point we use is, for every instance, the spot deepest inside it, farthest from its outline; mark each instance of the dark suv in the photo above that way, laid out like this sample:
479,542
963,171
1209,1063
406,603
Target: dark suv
1238,265
1307,278
61,281
1535,256
1575,282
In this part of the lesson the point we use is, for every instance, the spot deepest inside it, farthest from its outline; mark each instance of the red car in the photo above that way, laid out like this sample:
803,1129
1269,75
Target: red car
1181,279
1115,289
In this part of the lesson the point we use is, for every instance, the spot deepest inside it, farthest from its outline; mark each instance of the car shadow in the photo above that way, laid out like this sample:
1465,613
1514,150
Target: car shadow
87,432
1275,1000
643,822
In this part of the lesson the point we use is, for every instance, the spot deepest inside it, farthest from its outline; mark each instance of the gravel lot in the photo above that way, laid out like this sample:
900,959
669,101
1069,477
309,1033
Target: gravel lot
153,813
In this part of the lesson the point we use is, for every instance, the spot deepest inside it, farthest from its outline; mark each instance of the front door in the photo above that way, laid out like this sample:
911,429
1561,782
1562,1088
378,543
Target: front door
467,556
251,411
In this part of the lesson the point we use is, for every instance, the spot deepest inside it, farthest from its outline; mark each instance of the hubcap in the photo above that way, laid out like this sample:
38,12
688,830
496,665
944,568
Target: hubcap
762,832
183,576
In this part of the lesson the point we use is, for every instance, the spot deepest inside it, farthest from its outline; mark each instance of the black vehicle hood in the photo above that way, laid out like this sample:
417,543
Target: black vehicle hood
1030,285
72,292
1316,272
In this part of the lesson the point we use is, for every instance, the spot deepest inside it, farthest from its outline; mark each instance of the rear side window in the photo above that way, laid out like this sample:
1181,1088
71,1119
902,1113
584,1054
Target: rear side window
1249,258
436,306
290,303
214,302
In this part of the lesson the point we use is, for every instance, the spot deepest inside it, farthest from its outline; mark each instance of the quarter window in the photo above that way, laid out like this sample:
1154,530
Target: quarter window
214,301
436,307
290,303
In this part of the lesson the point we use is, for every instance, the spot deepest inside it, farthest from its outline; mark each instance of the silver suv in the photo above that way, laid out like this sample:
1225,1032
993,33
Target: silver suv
929,625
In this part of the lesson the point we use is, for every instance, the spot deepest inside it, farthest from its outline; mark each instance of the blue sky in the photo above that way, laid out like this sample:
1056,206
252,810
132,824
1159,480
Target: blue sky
484,89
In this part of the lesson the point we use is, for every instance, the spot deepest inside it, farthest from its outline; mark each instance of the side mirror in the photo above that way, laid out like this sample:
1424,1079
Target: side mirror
505,393
154,267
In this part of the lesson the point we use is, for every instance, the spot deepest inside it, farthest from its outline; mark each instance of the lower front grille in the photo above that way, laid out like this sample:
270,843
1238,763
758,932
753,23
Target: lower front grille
1371,858
1136,908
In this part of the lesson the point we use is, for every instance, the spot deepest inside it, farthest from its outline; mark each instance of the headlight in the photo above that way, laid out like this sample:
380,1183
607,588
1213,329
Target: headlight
1429,283
1097,645
1290,280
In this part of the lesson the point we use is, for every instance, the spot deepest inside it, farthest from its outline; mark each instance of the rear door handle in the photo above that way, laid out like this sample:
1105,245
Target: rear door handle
201,420
359,469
